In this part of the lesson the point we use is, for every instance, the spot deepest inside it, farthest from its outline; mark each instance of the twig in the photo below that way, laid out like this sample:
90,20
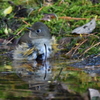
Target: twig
77,47
61,27
70,18
26,22
59,74
40,9
70,51
14,36
18,32
90,48
93,34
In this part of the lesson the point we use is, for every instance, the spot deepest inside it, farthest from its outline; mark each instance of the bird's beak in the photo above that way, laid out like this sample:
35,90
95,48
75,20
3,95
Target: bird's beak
29,28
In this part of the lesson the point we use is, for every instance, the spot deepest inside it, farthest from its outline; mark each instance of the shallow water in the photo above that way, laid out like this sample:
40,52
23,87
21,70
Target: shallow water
49,80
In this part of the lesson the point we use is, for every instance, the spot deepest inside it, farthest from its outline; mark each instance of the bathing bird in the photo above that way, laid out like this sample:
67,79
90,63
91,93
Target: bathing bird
36,44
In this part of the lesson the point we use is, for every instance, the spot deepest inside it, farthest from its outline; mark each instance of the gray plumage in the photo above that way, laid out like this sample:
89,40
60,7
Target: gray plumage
34,44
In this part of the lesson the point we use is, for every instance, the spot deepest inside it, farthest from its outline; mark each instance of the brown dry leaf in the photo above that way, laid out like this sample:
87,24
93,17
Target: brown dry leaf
48,17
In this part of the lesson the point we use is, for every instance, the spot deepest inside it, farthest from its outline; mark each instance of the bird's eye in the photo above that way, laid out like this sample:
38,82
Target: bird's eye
38,31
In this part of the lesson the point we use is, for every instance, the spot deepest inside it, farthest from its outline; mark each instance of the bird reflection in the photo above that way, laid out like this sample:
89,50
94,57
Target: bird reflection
39,75
33,71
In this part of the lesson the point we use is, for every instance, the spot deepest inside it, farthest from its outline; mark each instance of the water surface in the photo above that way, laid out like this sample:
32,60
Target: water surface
49,80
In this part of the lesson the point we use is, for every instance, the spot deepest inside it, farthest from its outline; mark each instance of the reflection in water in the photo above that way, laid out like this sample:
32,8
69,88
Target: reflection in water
42,81
33,71
39,77
36,74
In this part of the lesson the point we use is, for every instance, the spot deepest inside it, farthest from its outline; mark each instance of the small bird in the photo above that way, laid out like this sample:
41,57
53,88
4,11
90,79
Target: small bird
36,44
86,28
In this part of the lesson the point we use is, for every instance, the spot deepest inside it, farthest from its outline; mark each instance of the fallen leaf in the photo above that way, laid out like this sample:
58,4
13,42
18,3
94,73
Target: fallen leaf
7,10
87,28
48,17
94,93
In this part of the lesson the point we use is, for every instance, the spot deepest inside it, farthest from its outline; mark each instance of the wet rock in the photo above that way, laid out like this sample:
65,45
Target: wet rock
90,61
90,64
